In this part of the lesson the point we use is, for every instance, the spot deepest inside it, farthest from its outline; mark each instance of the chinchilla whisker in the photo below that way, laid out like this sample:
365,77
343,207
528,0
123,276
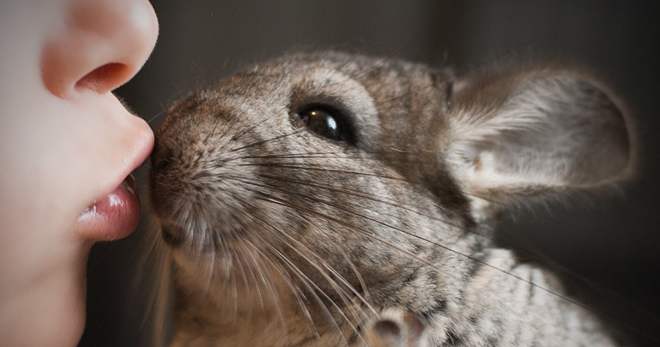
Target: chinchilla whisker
316,289
356,331
346,299
253,278
209,261
244,132
243,273
334,155
274,293
296,291
366,298
233,280
231,253
314,168
311,289
265,279
275,199
266,141
159,114
329,204
206,260
203,232
313,263
361,195
374,155
264,225
226,161
189,230
212,132
296,166
505,272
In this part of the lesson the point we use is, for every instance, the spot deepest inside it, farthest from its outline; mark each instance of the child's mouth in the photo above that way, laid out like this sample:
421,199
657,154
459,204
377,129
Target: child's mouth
115,216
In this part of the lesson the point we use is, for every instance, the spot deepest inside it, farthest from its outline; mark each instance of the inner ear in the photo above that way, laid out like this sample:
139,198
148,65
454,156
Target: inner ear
538,130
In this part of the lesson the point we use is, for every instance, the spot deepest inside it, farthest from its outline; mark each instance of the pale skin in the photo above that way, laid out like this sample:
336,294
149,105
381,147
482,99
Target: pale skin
66,146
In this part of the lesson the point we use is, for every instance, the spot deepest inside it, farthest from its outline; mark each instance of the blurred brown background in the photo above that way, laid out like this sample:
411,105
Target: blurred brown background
614,242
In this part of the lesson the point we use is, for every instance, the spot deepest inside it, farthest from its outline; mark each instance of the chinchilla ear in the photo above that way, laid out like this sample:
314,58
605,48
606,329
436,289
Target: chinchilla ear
518,134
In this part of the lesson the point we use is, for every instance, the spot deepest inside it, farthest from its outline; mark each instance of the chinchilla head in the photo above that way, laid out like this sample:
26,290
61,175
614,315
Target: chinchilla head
327,182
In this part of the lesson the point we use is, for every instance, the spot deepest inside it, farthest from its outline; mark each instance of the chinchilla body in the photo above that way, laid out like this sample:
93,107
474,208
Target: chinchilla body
329,199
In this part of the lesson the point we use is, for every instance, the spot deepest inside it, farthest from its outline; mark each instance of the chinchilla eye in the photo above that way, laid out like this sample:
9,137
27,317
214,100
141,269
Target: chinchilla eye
326,122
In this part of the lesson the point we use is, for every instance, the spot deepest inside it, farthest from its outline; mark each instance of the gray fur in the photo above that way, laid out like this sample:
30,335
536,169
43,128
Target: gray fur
281,237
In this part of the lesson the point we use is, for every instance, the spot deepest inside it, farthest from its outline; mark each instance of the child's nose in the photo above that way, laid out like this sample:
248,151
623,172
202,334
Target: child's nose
102,45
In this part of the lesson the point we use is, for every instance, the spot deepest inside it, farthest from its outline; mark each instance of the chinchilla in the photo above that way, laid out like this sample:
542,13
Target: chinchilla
331,199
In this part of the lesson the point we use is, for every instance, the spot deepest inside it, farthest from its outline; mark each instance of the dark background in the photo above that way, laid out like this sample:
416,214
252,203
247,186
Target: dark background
614,241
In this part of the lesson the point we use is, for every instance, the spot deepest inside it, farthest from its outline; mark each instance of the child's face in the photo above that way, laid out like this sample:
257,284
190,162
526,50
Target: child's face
66,143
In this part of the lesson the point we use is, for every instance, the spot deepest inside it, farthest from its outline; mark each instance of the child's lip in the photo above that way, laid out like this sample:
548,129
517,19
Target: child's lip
113,217
115,214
